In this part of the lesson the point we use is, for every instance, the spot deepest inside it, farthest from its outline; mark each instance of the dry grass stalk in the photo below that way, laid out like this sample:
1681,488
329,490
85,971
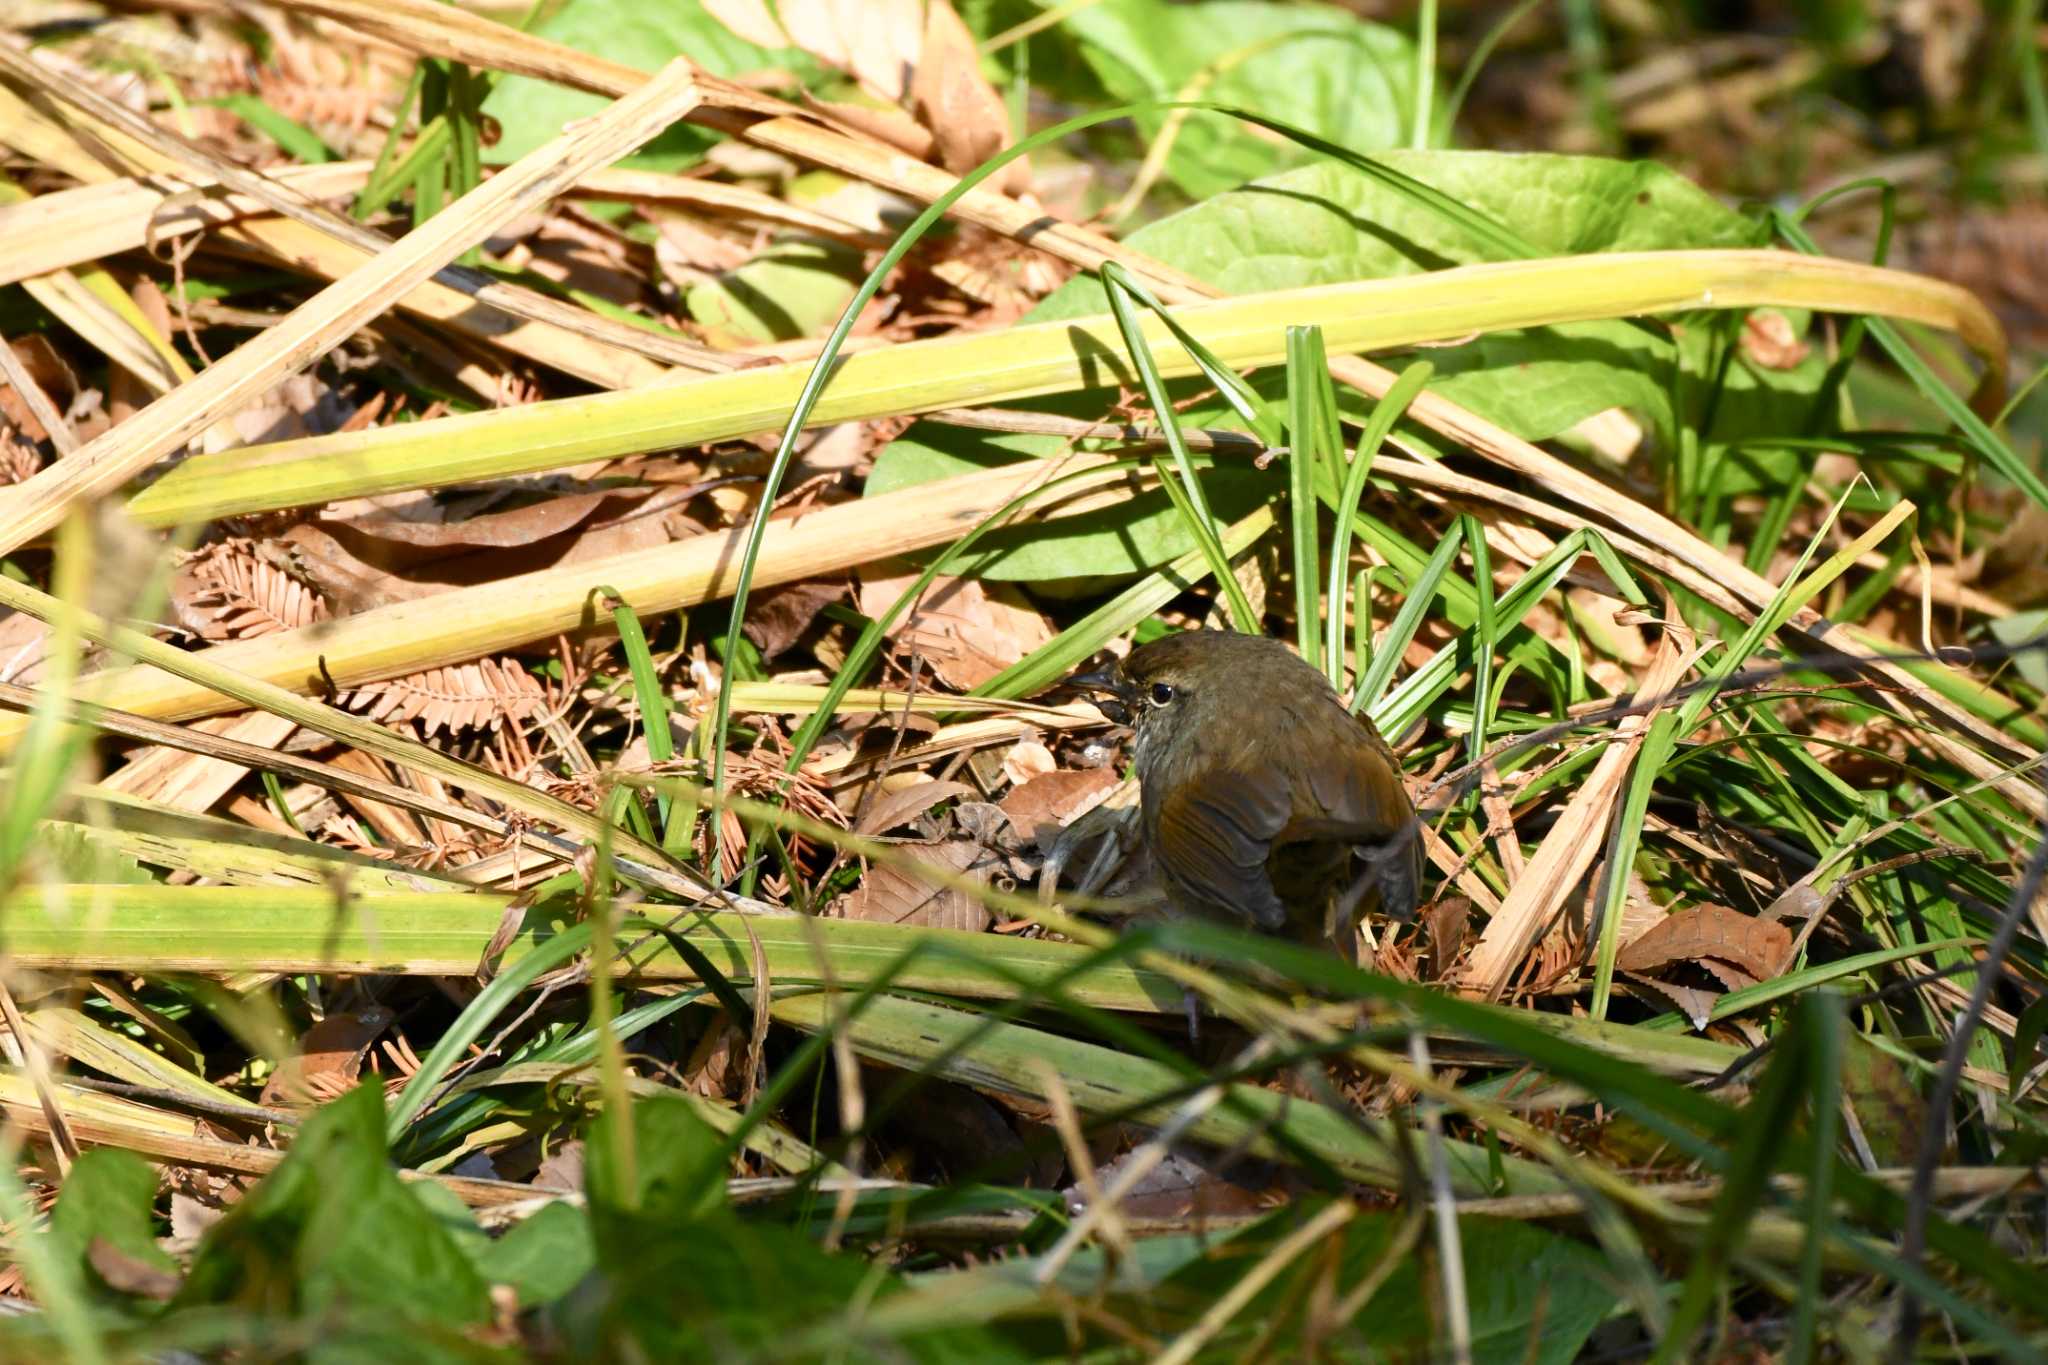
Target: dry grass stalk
106,463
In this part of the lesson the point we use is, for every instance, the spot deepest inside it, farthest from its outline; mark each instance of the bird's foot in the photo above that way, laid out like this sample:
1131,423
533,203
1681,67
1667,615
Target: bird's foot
1105,835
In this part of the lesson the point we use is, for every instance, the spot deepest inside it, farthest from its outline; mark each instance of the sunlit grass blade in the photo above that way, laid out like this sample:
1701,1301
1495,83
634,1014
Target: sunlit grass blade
476,1016
1771,1112
1185,491
1822,1025
1384,414
1485,636
1121,614
1414,605
1309,396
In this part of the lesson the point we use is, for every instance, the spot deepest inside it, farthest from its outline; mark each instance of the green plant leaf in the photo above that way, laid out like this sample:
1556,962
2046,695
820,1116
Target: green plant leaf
542,1257
1112,542
107,1198
645,37
796,288
1326,223
1534,1296
333,1230
1310,65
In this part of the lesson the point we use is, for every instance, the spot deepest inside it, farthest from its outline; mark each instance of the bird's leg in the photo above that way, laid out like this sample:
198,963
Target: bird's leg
1111,827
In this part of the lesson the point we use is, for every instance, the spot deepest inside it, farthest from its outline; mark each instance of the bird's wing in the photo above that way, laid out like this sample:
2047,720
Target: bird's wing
1364,803
1212,838
1363,792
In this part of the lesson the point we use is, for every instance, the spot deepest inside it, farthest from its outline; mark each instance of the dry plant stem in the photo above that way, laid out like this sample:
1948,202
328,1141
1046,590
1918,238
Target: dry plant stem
183,158
17,375
453,627
271,242
1218,1314
438,30
105,463
1568,850
257,756
1066,1121
61,1140
1140,1164
1444,1205
1934,1131
366,735
90,222
235,1158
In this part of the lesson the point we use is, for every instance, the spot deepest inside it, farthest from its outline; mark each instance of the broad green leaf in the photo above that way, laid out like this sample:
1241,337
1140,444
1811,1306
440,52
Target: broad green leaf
1310,65
332,1230
680,1277
542,1257
645,37
1327,223
796,288
1110,542
1534,1296
108,1197
2029,629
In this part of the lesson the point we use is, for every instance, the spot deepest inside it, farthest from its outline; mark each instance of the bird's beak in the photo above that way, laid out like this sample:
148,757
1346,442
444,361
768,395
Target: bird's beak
1115,707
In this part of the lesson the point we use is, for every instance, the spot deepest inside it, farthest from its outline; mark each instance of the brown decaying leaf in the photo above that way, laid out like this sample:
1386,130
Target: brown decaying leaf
1449,920
891,126
23,640
1185,1185
331,1050
1695,1004
131,1274
1758,946
778,617
1769,341
874,41
751,20
1026,759
964,112
1049,802
893,893
966,630
904,804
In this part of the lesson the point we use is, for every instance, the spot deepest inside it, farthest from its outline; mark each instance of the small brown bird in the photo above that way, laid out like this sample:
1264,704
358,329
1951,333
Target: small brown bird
1261,797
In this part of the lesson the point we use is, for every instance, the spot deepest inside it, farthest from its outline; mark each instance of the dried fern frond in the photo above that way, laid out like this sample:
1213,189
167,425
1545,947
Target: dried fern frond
229,591
483,695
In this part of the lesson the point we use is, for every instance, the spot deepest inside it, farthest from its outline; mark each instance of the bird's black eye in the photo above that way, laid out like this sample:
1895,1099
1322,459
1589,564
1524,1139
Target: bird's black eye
1162,693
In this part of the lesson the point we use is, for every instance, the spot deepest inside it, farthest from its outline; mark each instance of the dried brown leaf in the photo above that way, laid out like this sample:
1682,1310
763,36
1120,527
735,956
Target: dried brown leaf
1045,804
331,1050
874,41
483,694
226,591
890,126
778,617
896,894
1769,341
904,804
131,1274
1695,1004
1698,932
967,631
1186,1185
751,20
964,112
